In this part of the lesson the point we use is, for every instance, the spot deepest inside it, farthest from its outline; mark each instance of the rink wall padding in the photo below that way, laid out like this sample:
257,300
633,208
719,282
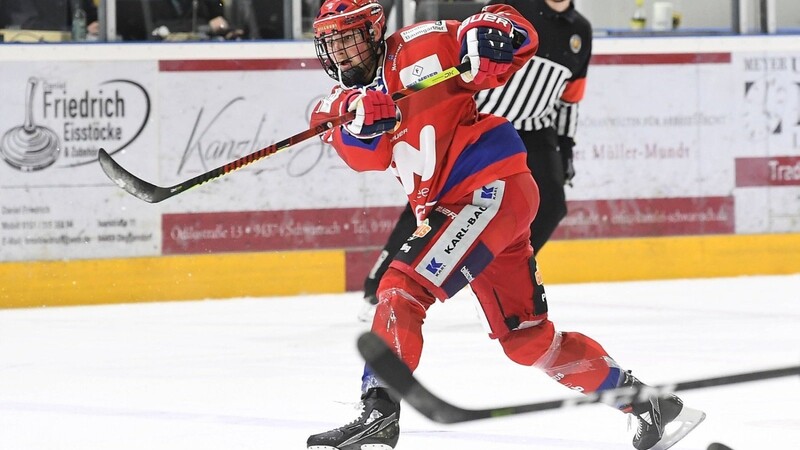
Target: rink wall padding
218,276
581,261
103,281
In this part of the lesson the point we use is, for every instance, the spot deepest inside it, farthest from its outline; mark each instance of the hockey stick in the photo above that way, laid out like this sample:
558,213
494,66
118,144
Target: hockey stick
718,446
154,194
393,371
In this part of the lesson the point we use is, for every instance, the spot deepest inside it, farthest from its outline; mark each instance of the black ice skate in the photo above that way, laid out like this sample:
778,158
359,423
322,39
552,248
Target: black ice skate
662,422
376,428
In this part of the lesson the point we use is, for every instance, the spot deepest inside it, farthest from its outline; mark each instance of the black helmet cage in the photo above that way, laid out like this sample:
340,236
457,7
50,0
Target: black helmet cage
360,74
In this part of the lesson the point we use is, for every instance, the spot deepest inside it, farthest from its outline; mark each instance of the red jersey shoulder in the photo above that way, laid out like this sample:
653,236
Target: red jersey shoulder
425,31
421,50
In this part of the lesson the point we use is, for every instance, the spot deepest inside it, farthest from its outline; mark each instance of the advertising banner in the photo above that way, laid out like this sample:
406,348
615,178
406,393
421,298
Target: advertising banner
258,231
678,133
211,117
55,202
766,102
667,144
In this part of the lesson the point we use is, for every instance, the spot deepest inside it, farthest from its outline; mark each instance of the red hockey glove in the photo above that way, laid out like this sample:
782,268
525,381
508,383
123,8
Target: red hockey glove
486,42
376,113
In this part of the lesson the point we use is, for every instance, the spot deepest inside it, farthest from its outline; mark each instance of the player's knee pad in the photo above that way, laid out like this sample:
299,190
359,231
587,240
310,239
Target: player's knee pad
401,310
396,285
526,346
396,303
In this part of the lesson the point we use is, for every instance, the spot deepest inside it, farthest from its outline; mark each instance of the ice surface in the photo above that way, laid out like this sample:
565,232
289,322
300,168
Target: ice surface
265,373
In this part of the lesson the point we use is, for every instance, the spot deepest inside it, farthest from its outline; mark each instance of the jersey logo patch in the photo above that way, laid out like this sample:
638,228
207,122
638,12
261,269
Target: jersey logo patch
434,267
419,70
410,162
422,230
421,30
575,43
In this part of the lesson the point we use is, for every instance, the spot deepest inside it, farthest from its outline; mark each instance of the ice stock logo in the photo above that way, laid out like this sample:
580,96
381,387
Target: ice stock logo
62,122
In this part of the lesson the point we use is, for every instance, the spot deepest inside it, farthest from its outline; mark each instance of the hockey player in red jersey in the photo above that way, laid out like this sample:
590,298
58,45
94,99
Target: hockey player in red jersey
473,196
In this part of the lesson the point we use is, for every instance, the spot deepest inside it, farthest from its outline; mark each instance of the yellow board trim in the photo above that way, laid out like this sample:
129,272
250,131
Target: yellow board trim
101,281
85,282
580,261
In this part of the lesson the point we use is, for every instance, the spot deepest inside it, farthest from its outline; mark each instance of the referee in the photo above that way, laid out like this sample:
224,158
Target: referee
541,100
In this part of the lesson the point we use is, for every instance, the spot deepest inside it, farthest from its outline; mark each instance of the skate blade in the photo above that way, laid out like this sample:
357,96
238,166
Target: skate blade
676,430
363,447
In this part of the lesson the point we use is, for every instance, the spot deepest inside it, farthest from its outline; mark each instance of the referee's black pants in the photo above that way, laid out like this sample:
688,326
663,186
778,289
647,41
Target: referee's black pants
548,171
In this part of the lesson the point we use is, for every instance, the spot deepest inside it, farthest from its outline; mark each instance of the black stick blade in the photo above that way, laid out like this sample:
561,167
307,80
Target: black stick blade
129,182
393,371
385,363
718,446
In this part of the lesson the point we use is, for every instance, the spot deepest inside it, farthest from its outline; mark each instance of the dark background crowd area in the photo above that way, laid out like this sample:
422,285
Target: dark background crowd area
138,20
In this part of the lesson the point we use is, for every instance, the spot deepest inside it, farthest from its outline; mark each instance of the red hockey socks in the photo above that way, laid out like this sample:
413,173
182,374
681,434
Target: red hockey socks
572,359
580,363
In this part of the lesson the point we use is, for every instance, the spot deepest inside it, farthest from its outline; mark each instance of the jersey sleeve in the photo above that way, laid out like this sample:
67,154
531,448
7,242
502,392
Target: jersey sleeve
567,107
566,120
359,154
576,85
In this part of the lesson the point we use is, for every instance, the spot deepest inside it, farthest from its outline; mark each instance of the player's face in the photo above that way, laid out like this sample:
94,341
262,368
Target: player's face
348,49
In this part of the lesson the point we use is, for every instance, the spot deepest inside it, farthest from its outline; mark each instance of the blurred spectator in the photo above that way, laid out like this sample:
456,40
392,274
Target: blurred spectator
164,19
34,14
264,19
43,14
190,13
50,15
92,24
90,8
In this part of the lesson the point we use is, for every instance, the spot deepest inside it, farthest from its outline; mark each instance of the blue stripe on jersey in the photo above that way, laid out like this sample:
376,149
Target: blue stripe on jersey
612,380
495,145
352,141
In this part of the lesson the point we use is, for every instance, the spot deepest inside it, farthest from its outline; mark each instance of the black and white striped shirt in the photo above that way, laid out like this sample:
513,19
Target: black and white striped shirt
531,97
546,91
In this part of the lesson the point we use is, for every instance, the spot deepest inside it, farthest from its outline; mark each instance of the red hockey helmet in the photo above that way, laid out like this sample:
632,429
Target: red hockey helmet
348,36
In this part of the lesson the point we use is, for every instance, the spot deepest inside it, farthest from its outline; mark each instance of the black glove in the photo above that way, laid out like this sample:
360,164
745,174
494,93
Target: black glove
565,145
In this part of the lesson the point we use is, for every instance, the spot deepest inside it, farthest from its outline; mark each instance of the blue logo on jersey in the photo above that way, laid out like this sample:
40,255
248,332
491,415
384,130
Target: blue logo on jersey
487,192
434,267
380,84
